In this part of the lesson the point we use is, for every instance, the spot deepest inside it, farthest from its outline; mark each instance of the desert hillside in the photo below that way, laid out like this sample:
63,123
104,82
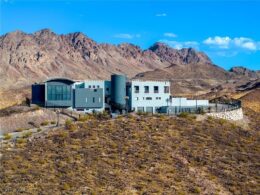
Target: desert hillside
252,100
135,155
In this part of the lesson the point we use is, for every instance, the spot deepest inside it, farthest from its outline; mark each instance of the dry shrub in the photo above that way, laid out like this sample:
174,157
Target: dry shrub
44,123
69,125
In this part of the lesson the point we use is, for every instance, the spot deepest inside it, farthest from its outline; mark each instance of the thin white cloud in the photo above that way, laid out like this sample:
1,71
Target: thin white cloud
222,42
180,45
242,43
245,43
168,34
161,15
127,36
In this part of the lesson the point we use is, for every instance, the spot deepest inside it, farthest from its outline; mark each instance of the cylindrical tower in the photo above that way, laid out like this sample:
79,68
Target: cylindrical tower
118,91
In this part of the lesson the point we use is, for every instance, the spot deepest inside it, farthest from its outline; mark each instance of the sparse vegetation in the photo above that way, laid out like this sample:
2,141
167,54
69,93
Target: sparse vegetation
21,141
142,154
85,117
69,125
26,134
39,129
21,129
44,123
7,136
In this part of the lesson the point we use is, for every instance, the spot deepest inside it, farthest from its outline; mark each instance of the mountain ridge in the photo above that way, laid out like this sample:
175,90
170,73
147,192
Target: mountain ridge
26,58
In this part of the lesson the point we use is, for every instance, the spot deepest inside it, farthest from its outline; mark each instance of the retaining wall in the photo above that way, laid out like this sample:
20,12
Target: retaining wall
229,115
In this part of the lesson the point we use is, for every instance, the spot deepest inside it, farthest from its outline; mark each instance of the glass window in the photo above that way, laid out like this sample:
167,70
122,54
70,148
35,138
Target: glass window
59,92
136,89
146,89
166,89
149,98
156,89
93,100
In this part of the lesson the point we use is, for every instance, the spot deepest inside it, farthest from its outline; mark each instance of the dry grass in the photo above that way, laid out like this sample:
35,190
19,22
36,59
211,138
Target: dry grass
136,155
252,100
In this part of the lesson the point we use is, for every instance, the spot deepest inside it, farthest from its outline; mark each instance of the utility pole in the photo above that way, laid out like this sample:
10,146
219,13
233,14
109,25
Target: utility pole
216,104
58,117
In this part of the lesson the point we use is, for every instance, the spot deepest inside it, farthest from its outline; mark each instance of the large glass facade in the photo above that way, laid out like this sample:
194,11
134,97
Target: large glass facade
59,92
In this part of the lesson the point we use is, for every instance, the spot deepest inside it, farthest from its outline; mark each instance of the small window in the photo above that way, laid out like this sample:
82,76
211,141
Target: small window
107,89
89,86
166,89
99,99
97,86
94,86
86,99
136,98
146,89
93,100
136,89
156,89
158,98
149,98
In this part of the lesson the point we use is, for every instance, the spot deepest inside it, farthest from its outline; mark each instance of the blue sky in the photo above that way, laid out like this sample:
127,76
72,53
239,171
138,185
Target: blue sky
228,31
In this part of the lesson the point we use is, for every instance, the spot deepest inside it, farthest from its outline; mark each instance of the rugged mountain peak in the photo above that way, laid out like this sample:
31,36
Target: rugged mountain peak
159,46
45,31
14,36
130,47
182,56
242,71
77,35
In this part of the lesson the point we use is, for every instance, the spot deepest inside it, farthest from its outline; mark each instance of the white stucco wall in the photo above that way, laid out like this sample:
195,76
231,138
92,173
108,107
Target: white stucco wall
157,99
184,102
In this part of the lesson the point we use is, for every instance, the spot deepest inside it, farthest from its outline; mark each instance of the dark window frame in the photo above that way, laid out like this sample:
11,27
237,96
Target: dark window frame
136,89
156,90
146,89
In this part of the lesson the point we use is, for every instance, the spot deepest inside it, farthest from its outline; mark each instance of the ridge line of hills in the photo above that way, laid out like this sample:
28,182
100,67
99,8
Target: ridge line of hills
28,58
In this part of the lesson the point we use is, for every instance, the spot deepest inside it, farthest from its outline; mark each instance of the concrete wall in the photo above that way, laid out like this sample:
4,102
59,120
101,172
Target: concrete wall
229,115
88,98
89,90
147,101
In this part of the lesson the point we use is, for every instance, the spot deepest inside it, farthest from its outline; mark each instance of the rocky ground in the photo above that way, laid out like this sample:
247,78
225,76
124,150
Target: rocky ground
19,118
136,155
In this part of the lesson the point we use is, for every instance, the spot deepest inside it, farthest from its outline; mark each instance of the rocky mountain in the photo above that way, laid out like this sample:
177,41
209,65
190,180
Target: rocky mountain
244,72
192,73
28,58
182,56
